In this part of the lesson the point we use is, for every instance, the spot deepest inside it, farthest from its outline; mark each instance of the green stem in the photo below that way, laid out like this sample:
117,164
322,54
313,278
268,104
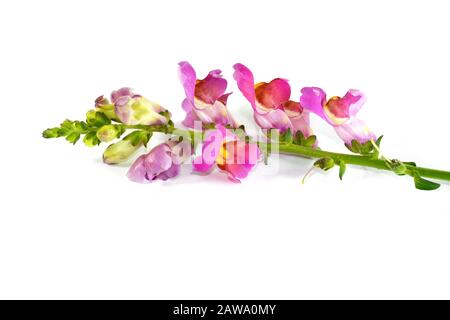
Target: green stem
309,152
358,160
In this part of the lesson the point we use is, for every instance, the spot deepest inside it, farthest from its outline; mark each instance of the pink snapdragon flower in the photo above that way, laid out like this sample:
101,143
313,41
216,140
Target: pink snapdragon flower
224,149
271,103
339,112
162,162
206,100
133,109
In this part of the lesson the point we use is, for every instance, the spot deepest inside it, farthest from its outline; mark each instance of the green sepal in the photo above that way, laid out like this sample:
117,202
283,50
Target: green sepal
361,148
91,139
378,142
299,139
170,125
324,163
97,118
166,114
423,184
139,137
342,168
310,141
397,167
241,134
287,137
376,152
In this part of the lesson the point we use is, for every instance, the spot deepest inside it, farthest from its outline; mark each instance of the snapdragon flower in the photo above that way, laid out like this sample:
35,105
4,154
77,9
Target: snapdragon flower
206,100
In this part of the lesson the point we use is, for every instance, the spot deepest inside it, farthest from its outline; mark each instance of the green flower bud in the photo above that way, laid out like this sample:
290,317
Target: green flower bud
120,151
108,133
90,115
102,104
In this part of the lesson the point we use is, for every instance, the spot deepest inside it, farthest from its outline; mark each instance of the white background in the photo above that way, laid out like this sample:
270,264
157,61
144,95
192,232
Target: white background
72,227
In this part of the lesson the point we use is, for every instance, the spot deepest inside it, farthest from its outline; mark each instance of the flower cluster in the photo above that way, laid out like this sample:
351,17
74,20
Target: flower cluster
278,110
206,102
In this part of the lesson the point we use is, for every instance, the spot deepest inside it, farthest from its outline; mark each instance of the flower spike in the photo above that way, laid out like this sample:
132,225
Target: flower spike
227,146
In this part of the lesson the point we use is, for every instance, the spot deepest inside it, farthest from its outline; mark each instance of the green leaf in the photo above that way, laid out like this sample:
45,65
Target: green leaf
73,137
342,168
324,163
423,184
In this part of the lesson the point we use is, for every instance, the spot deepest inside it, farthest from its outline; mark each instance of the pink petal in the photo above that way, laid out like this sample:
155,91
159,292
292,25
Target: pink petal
301,123
299,117
201,166
273,119
148,167
212,143
211,88
245,82
338,110
101,101
273,94
122,92
224,98
356,99
188,78
121,109
172,172
354,129
240,159
137,171
187,105
217,114
292,108
190,119
314,99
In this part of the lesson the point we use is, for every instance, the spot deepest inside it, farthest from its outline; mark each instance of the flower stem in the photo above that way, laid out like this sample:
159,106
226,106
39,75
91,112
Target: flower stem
310,152
358,160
